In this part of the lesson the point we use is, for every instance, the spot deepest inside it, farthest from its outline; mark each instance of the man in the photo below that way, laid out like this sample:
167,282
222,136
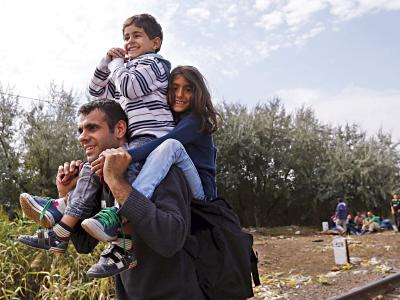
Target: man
371,223
164,270
341,216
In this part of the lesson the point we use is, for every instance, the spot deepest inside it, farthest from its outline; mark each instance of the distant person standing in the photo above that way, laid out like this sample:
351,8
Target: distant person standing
341,216
395,208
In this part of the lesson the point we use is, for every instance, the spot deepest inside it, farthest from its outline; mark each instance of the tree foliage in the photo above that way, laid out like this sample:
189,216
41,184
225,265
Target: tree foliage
50,139
10,181
33,143
278,168
274,167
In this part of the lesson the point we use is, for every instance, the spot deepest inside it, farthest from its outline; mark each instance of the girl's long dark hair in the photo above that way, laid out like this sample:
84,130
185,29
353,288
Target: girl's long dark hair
201,101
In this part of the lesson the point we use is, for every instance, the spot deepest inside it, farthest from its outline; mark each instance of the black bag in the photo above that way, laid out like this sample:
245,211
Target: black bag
222,253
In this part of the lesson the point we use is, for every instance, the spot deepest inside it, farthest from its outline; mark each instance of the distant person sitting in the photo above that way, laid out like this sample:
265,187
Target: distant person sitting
371,223
341,216
351,226
359,220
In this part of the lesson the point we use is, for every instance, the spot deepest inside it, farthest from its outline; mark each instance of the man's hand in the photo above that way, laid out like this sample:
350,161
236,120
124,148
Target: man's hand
98,165
116,161
116,53
67,177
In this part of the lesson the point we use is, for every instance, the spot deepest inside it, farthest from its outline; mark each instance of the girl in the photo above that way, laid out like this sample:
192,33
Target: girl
189,146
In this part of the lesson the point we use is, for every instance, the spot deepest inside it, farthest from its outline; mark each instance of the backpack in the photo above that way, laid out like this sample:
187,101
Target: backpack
222,253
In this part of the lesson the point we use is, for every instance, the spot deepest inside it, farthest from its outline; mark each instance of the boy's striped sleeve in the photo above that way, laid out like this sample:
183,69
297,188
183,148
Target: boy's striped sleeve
101,85
148,76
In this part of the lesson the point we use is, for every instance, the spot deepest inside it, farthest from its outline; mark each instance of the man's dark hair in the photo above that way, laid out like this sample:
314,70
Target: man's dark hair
111,109
149,25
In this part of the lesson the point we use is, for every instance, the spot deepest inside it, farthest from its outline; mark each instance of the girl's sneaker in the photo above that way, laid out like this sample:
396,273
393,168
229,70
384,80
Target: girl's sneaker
104,225
34,206
113,260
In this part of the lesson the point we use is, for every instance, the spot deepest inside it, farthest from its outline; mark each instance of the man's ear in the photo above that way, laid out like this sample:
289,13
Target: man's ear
156,43
120,129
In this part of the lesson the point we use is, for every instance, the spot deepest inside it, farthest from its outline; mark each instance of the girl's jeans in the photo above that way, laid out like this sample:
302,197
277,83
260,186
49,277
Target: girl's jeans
170,152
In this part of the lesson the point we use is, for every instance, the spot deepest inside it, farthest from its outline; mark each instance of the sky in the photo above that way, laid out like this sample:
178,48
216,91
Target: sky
339,57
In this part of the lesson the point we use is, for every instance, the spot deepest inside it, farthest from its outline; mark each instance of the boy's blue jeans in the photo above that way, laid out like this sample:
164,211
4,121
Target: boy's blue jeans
170,152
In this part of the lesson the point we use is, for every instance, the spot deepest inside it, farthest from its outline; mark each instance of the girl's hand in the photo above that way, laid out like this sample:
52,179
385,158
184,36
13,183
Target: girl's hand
116,53
67,176
97,165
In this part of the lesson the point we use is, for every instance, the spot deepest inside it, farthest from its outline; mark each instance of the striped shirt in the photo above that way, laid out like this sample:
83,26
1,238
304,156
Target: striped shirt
140,86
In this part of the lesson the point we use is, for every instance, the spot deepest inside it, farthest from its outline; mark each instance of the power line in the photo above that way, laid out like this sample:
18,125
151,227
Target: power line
20,96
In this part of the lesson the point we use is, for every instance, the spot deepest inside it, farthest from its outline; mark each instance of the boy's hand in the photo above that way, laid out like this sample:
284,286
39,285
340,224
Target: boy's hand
116,53
97,165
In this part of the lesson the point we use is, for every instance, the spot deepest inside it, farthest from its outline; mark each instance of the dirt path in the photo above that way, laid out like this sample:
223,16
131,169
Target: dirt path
301,266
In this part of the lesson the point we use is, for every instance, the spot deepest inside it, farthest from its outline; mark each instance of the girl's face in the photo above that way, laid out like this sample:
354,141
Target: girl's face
183,94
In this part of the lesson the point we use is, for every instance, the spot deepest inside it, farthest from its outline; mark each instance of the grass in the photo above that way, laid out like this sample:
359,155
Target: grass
26,273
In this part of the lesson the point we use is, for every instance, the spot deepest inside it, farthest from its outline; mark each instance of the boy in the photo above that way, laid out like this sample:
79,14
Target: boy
140,87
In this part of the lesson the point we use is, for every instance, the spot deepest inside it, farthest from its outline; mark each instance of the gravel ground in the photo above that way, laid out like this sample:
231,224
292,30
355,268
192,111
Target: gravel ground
302,266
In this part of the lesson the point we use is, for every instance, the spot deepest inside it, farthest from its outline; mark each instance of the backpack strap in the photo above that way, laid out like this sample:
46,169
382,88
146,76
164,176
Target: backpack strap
254,268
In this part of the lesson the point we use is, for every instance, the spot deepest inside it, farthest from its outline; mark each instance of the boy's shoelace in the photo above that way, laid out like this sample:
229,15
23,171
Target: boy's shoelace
108,217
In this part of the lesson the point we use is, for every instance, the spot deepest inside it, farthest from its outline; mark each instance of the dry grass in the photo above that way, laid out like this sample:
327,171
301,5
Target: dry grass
285,230
29,274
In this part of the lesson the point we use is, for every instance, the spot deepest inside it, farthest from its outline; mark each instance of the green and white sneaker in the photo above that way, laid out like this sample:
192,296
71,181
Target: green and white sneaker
104,225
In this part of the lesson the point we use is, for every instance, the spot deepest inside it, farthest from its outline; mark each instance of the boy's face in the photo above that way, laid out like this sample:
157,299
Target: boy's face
137,42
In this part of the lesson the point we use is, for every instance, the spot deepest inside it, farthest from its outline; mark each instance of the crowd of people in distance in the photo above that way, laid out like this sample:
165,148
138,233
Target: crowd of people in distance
343,222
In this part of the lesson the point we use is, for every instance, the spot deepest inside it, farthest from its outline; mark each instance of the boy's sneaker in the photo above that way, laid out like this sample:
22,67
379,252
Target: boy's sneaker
45,240
33,206
104,225
113,260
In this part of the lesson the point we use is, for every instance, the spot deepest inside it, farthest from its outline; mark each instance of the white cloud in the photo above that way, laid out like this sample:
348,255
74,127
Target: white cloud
198,13
299,12
371,109
64,41
231,15
262,4
301,39
346,10
294,98
271,21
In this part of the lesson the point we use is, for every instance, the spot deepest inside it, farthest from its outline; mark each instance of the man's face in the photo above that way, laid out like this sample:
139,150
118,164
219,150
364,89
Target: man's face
94,134
137,41
369,214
